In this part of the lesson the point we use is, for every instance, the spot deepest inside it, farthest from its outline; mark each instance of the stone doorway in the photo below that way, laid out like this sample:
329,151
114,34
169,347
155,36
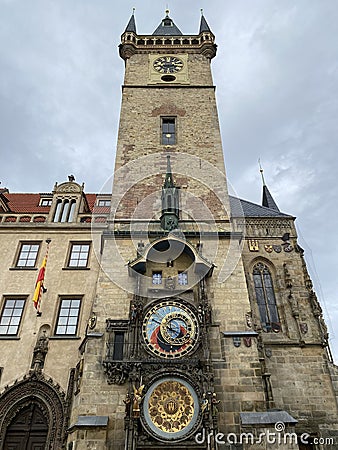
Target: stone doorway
27,431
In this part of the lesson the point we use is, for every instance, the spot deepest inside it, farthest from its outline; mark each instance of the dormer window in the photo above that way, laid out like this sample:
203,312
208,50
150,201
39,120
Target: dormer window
104,202
45,202
167,22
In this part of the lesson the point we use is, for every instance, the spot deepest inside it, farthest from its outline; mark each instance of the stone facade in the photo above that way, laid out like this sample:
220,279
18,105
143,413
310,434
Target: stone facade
185,335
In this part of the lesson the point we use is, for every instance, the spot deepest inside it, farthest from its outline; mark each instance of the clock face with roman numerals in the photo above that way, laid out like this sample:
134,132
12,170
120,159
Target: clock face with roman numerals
170,329
168,64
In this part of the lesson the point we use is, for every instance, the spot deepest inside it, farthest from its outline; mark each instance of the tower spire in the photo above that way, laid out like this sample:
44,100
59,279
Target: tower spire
131,27
170,201
167,27
169,181
267,199
204,24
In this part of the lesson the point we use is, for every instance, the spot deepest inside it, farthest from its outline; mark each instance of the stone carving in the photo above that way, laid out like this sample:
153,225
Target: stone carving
127,402
248,319
40,352
117,372
214,403
92,321
294,305
68,187
170,283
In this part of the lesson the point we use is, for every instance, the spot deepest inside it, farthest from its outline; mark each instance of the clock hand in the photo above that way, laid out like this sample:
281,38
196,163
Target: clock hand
156,321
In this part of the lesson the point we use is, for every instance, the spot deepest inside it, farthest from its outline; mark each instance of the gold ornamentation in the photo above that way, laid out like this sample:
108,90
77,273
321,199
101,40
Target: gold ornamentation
171,406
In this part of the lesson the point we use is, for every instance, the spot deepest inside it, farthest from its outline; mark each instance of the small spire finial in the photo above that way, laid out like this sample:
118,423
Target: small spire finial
134,10
167,11
261,171
201,11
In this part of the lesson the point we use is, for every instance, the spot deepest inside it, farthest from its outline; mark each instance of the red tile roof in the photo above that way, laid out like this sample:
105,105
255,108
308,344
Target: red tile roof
26,203
29,203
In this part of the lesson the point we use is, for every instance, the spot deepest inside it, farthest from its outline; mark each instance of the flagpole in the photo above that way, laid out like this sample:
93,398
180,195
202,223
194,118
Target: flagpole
39,285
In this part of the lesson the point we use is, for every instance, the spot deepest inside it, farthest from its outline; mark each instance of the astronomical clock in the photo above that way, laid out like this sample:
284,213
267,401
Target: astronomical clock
164,355
171,405
170,329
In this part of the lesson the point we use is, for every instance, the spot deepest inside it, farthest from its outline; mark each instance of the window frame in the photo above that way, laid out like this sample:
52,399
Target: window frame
118,345
104,200
63,299
43,200
182,274
165,133
70,253
153,277
19,252
6,299
64,210
264,293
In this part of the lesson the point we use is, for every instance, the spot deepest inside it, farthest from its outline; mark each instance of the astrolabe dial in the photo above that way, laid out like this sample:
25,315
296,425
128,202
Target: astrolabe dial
170,329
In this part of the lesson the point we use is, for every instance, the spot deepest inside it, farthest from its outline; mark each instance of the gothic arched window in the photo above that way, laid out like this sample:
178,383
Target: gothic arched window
265,296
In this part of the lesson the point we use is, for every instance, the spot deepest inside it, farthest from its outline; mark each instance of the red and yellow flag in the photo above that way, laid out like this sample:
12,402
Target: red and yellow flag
39,287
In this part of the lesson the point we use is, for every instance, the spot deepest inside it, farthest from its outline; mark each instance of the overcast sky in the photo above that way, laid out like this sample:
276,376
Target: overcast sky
277,88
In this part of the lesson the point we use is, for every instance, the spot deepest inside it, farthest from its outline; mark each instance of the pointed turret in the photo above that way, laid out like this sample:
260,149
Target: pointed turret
204,24
167,27
131,27
170,201
267,199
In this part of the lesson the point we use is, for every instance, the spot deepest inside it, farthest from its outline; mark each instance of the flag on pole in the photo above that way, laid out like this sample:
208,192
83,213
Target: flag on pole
39,285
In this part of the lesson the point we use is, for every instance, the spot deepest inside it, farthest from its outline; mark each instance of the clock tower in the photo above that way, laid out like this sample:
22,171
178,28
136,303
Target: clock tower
169,275
184,302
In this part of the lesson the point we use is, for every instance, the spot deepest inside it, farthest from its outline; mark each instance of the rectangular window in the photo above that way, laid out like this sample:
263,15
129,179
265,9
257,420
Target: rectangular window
157,277
11,316
118,345
28,254
103,202
79,254
182,278
68,316
46,202
168,131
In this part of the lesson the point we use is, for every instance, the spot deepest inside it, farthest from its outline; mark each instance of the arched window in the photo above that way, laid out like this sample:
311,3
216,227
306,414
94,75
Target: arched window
71,211
57,211
64,211
265,296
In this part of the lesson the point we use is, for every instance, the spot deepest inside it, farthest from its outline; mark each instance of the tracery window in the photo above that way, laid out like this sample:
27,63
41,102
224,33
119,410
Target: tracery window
265,297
